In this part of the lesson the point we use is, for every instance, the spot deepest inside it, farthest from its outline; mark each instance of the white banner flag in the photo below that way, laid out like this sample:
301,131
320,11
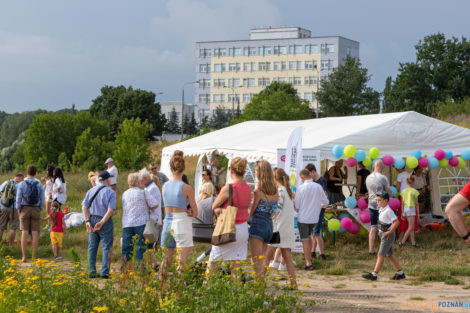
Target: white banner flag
294,157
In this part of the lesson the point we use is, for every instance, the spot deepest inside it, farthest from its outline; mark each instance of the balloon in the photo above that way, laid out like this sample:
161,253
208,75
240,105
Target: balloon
416,153
394,204
466,154
354,229
350,202
351,162
346,223
337,151
360,155
411,162
343,215
443,163
342,230
364,216
423,162
433,162
399,163
394,191
334,224
362,203
449,154
349,151
439,154
453,161
374,153
388,160
367,162
462,163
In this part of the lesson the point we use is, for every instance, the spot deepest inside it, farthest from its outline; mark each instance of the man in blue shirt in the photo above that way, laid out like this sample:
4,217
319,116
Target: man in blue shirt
9,214
98,208
29,203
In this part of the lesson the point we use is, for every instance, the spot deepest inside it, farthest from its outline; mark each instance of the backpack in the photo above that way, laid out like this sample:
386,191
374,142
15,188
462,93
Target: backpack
8,194
32,193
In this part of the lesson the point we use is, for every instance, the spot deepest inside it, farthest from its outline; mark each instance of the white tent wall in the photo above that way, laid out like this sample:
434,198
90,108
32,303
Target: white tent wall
396,134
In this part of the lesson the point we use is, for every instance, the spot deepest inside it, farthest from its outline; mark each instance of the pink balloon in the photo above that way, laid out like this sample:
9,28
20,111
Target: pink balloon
362,204
364,216
351,162
423,162
388,160
354,229
394,204
346,222
439,154
453,161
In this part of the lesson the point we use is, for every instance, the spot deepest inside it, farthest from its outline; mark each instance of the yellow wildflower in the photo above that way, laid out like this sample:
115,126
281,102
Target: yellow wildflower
100,308
122,301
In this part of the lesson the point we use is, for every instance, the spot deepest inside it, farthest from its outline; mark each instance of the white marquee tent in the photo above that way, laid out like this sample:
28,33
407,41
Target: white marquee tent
397,134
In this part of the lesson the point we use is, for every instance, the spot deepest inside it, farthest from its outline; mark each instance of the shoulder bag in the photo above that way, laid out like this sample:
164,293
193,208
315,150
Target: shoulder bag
150,230
225,230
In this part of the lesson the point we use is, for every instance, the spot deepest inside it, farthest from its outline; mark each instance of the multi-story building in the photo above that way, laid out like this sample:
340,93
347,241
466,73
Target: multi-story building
168,106
229,73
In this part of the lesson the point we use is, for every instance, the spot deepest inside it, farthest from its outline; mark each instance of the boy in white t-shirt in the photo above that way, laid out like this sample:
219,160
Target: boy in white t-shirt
388,223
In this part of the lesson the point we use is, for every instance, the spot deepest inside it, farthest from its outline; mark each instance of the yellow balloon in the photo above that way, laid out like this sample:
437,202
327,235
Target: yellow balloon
367,162
374,153
349,151
443,163
462,163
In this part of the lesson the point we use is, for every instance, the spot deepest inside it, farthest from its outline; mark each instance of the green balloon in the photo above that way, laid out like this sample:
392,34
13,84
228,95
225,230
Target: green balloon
444,163
349,151
462,163
411,162
334,224
367,162
374,153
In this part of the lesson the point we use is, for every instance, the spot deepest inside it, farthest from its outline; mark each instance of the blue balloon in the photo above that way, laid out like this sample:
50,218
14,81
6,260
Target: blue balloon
360,155
449,154
337,151
342,230
350,202
416,153
433,162
343,215
399,163
466,154
394,190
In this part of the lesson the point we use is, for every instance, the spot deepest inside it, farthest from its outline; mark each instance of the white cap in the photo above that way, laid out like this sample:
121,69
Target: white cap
109,160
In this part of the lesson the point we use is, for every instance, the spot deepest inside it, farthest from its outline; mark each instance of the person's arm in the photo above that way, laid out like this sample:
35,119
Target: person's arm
19,195
42,197
188,192
151,200
359,183
220,200
47,218
297,200
105,218
393,228
325,202
398,185
64,226
344,173
416,206
86,216
454,211
331,174
256,197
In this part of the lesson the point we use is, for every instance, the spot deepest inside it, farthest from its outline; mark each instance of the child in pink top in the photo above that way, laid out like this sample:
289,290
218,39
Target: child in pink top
56,217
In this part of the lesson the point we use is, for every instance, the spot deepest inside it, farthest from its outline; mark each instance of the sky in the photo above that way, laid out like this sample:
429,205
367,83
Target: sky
56,53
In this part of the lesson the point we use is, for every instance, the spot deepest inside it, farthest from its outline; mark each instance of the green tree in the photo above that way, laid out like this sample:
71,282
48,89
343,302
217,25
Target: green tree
190,125
277,102
441,71
15,124
173,125
220,118
345,92
91,150
115,104
132,147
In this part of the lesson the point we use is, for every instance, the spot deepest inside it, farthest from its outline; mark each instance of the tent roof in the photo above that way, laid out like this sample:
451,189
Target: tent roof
397,134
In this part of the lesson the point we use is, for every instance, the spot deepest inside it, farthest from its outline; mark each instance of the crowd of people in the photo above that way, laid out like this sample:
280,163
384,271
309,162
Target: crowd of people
170,206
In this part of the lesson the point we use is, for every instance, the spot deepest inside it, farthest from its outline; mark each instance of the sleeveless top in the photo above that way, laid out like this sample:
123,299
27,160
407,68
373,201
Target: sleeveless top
173,195
331,183
241,200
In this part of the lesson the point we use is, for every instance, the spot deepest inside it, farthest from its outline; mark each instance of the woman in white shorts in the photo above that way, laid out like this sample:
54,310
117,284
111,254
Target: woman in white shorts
177,232
409,209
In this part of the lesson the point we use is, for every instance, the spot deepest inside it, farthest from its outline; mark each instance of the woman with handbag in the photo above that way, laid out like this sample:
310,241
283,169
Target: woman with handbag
178,224
283,222
136,204
236,250
263,207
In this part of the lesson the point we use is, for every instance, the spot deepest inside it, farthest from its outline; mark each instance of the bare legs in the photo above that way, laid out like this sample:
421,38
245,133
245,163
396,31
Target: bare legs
410,232
372,235
307,246
24,243
287,257
257,248
380,262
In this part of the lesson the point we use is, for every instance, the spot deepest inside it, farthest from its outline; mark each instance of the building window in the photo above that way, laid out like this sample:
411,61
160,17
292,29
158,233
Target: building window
348,51
251,82
309,96
297,81
219,82
219,67
234,51
299,49
263,66
247,67
311,80
327,64
327,48
311,49
204,83
204,68
232,97
234,82
220,52
263,81
280,50
246,51
217,98
282,79
205,53
267,50
283,65
252,51
277,66
204,98
295,65
308,65
234,67
247,97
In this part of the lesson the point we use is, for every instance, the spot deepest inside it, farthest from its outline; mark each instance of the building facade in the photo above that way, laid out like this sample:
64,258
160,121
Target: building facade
229,73
168,106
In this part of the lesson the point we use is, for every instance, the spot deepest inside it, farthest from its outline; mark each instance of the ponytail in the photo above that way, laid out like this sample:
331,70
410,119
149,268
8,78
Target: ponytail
281,176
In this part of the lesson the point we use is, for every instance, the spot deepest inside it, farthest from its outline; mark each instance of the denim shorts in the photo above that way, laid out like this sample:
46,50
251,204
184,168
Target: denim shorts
374,217
317,229
261,226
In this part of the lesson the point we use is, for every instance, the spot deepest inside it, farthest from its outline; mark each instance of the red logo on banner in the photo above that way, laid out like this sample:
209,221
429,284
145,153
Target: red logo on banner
283,158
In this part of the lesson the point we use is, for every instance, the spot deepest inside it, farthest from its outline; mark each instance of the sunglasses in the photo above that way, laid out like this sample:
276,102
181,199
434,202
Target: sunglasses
153,168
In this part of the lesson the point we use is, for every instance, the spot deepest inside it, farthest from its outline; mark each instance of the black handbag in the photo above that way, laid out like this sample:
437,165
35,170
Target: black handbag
276,238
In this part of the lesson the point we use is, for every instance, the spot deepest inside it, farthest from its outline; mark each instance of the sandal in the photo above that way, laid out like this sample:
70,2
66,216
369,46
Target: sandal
415,245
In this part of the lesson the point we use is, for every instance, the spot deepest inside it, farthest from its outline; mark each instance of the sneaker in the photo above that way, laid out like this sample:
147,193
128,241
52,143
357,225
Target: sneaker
273,265
58,257
105,276
314,255
94,275
369,276
322,256
282,267
308,267
398,276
